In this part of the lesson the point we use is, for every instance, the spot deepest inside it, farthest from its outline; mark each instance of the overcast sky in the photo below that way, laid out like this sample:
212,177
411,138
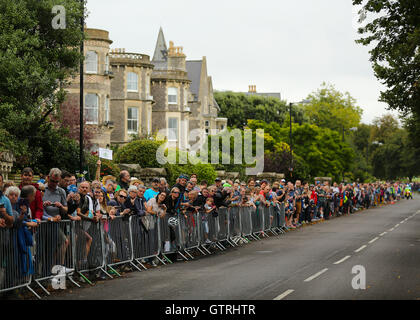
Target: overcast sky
282,46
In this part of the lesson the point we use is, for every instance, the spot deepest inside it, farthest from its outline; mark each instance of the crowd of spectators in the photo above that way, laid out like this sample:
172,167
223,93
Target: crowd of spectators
60,196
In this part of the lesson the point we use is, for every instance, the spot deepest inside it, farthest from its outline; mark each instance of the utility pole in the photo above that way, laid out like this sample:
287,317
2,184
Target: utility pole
291,141
82,51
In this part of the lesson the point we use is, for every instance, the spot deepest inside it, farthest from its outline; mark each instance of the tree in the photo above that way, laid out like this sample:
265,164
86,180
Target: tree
35,62
329,108
68,116
395,35
239,108
322,151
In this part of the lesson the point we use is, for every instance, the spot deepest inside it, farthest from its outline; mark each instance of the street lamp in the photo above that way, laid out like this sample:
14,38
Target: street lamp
290,134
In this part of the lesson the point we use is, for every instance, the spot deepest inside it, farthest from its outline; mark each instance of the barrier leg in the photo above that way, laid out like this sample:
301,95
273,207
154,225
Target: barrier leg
35,294
42,287
163,262
166,258
198,248
186,251
205,249
186,259
114,271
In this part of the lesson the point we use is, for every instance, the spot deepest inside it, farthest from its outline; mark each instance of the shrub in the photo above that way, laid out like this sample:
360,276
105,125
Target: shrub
203,171
142,152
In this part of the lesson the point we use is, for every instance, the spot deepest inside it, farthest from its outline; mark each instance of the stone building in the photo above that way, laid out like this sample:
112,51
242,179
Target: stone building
97,87
131,99
183,92
252,91
126,94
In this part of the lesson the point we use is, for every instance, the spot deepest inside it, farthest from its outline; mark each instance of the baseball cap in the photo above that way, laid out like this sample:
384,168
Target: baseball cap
283,180
183,176
155,179
218,179
264,181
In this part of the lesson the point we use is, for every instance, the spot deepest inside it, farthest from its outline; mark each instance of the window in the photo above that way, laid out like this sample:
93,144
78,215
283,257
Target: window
106,119
207,123
132,120
106,64
172,95
147,87
91,62
91,108
222,127
173,129
132,82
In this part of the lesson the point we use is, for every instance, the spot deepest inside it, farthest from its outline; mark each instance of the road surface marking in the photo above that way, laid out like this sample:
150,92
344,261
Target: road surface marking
396,225
373,240
316,275
361,248
284,294
383,233
392,229
344,259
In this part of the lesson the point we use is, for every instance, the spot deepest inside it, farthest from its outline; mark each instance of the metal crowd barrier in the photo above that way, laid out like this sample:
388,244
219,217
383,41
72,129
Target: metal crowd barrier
257,221
16,266
118,245
146,239
190,232
53,252
246,222
89,247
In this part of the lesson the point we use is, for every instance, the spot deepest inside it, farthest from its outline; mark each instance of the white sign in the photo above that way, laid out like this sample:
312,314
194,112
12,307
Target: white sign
105,154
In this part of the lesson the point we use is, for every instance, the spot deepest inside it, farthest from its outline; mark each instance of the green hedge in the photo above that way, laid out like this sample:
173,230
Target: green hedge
142,152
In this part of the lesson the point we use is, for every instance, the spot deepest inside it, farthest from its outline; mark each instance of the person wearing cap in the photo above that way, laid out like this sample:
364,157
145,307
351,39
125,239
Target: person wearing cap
218,183
182,183
153,191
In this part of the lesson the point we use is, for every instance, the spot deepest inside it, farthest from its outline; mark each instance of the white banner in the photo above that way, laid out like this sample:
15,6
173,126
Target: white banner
105,154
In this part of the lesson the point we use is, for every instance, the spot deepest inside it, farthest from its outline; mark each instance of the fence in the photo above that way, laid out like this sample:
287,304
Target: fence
62,249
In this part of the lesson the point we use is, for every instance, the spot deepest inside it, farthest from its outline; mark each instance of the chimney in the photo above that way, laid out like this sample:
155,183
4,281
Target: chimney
176,58
252,89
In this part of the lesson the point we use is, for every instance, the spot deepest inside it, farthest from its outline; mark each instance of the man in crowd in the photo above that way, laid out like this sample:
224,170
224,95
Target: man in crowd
36,206
153,191
124,180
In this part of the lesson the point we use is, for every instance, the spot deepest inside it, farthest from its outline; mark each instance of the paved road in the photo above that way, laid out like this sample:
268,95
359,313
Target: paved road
314,262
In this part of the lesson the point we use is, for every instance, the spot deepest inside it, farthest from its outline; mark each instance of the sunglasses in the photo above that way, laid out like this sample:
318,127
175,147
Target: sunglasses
125,197
175,192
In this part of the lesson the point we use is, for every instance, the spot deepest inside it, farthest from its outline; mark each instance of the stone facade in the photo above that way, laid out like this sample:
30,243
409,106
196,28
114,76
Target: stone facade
126,93
97,82
6,164
124,97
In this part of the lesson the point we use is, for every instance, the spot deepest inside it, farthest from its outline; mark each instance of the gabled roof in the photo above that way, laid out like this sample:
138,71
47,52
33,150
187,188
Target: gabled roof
194,74
161,50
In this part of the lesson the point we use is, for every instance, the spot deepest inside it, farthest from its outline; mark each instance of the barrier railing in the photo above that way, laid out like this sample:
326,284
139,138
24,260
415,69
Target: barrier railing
118,244
89,247
146,238
69,247
16,266
190,232
53,251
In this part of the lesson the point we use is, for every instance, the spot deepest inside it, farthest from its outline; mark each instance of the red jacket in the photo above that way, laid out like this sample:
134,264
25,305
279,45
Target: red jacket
314,196
36,206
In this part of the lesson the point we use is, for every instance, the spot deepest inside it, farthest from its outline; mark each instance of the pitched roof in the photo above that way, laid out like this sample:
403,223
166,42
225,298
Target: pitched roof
194,74
161,50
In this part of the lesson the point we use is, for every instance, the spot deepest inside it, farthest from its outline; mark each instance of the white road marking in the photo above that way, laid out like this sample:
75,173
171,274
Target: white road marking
392,229
396,225
284,294
342,260
373,240
316,275
361,248
383,233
